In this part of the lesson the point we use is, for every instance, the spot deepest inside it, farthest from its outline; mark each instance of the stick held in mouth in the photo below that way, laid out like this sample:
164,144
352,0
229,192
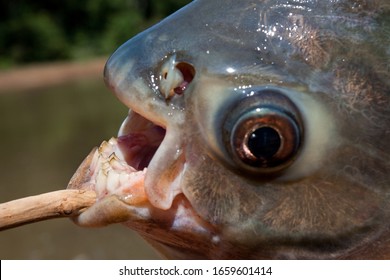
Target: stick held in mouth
56,204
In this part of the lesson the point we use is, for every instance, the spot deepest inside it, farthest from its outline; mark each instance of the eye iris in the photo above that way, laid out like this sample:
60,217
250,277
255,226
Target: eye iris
264,142
263,133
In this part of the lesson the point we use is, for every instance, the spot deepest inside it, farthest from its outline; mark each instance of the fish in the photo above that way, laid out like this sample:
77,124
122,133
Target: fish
256,130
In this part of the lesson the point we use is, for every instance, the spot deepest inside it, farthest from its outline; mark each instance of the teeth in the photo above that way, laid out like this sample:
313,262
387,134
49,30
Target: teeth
100,185
135,193
112,181
160,185
112,175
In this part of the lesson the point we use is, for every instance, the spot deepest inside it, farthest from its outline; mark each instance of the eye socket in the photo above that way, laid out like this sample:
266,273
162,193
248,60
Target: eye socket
263,132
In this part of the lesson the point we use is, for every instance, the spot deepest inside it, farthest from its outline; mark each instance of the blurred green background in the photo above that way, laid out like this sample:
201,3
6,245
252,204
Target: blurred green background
48,128
44,30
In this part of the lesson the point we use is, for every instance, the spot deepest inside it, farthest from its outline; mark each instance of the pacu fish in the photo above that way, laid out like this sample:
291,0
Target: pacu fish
256,129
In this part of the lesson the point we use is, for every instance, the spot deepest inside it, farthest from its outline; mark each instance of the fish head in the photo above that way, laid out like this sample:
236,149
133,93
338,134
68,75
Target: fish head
257,129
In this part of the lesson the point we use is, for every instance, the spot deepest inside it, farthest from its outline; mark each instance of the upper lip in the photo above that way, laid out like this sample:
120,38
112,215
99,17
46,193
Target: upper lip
151,138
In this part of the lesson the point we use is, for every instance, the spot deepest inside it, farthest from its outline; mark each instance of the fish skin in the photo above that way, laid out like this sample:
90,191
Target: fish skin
331,58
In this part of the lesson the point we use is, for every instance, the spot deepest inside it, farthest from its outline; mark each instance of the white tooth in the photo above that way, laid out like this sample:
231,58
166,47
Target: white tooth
115,162
112,181
125,182
123,178
119,154
103,147
94,163
113,142
101,180
106,167
119,165
97,166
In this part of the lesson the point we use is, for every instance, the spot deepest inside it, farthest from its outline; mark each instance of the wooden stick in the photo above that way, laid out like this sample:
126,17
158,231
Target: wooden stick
56,204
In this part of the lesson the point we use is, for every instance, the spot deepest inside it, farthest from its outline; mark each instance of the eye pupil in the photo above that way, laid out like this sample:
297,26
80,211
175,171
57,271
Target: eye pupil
264,142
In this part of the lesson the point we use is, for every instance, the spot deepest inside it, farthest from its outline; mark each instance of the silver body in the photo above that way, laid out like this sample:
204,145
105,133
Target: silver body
331,60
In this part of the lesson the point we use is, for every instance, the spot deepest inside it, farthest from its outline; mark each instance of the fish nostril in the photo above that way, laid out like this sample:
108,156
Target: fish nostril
175,77
188,72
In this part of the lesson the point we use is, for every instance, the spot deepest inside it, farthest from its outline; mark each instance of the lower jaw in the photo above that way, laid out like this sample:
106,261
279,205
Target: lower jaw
118,166
177,232
121,197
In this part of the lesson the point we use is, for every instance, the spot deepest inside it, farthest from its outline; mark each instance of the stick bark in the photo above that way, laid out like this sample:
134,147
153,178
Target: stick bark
56,204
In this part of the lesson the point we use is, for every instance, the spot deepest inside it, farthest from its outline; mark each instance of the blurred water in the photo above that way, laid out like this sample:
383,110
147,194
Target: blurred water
44,136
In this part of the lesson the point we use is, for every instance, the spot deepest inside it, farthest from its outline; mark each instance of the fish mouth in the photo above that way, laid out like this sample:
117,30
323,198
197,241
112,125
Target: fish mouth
135,166
137,176
122,163
137,180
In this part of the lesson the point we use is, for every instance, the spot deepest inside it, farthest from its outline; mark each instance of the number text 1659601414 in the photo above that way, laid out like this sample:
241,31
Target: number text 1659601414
232,270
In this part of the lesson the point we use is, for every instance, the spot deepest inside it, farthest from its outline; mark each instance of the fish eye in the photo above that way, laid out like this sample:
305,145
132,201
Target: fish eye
263,132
